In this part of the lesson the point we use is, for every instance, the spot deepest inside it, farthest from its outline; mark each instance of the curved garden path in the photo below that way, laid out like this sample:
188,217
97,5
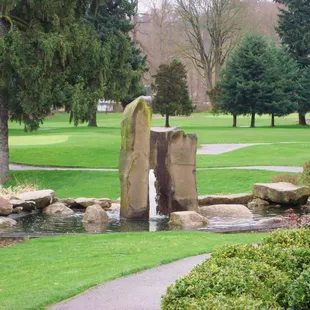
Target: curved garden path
21,167
140,291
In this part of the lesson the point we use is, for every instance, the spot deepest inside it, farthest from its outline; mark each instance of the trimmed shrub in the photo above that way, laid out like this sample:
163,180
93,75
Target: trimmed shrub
293,179
300,292
273,275
289,238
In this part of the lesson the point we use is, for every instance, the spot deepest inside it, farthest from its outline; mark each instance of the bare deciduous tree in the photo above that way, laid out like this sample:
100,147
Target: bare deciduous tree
211,28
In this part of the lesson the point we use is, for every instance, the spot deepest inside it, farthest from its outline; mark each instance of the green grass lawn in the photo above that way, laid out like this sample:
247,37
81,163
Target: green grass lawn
61,144
106,184
43,271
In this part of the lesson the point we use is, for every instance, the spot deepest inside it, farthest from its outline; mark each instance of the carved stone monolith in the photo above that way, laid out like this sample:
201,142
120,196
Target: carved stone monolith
134,160
173,158
182,169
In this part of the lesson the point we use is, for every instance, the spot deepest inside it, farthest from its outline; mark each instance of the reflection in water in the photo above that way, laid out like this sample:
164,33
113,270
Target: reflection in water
40,223
95,228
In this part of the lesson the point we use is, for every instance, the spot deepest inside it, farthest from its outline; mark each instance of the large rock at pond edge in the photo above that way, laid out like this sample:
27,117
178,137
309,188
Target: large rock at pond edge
105,203
41,198
222,210
282,192
69,202
258,203
57,208
134,160
187,219
208,200
7,222
95,214
5,207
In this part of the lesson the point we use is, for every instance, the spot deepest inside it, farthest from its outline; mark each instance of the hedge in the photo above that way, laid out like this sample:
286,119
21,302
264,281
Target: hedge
272,275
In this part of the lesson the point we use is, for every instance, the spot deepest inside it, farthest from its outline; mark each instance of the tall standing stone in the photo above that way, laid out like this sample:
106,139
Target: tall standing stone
134,160
173,158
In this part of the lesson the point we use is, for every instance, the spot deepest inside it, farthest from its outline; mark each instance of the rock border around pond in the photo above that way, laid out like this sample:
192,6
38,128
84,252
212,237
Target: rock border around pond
264,195
45,201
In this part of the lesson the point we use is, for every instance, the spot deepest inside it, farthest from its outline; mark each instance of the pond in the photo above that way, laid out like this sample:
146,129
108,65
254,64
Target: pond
40,224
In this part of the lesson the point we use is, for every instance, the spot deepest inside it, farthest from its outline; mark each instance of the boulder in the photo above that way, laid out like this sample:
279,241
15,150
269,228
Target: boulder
27,206
208,200
69,202
134,160
223,210
282,192
41,198
7,222
5,207
187,219
258,203
57,208
270,222
105,203
308,202
84,202
95,214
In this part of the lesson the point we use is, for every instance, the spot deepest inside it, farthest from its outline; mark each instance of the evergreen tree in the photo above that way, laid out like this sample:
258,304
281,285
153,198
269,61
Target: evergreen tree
259,79
172,97
51,58
6,25
293,29
112,21
281,78
243,84
138,65
303,90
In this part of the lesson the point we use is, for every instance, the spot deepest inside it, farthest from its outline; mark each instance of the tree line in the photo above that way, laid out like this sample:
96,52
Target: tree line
257,77
260,78
65,53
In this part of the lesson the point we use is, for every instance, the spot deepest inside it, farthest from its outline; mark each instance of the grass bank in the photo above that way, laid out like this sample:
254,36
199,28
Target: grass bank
41,272
106,184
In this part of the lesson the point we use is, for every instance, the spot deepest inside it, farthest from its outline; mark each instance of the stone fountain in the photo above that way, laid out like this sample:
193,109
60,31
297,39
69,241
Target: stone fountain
168,153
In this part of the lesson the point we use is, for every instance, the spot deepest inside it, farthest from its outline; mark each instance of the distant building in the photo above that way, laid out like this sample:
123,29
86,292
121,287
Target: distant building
105,106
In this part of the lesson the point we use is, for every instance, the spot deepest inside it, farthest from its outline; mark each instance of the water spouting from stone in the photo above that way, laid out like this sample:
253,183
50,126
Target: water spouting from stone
152,194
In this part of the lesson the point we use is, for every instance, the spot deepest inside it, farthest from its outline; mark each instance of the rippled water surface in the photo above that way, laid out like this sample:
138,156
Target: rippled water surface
40,223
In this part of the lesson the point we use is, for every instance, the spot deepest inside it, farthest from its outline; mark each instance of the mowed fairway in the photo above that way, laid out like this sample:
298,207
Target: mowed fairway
59,143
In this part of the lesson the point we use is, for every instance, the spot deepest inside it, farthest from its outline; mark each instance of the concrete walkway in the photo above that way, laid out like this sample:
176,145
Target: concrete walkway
217,149
267,168
140,291
18,167
21,167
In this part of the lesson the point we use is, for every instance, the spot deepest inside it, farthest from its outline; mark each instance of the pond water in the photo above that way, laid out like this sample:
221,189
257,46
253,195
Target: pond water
40,223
